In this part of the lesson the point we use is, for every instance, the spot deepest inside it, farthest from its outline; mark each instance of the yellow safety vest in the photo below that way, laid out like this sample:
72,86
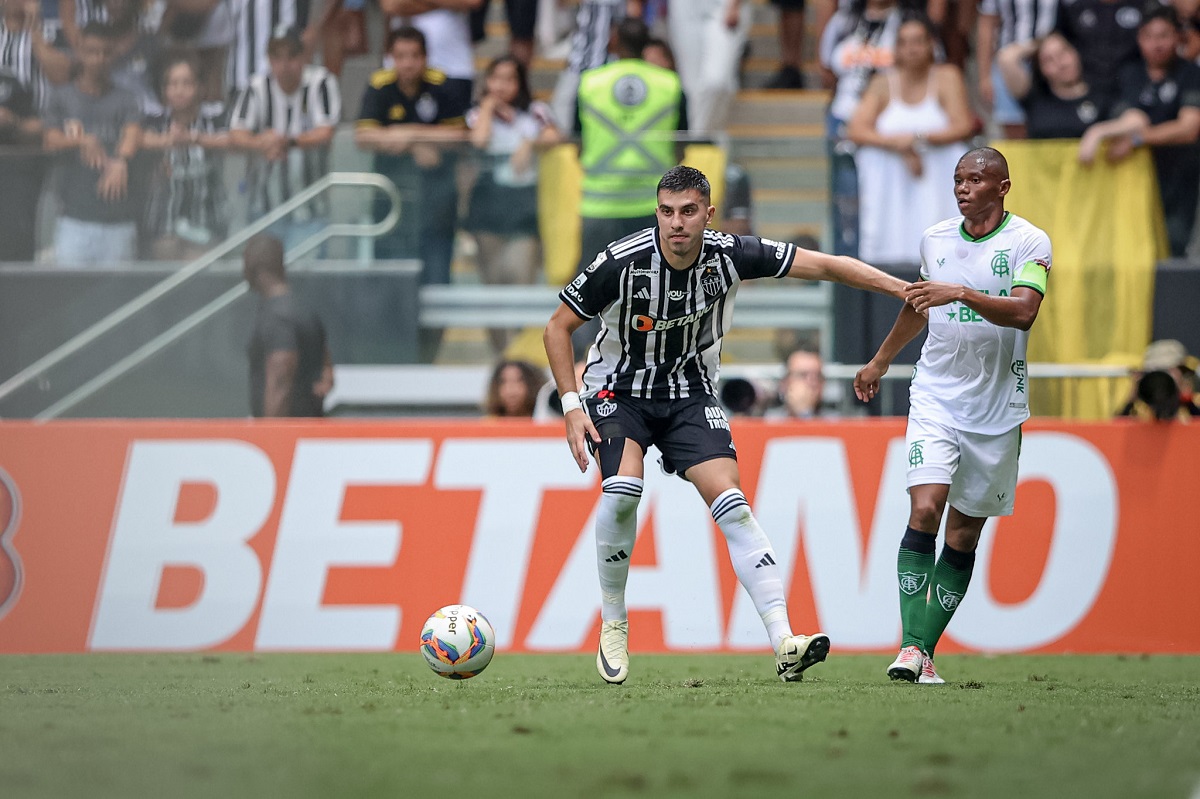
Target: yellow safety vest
628,113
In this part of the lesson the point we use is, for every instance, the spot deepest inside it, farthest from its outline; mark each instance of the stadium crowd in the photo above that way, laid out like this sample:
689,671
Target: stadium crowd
122,113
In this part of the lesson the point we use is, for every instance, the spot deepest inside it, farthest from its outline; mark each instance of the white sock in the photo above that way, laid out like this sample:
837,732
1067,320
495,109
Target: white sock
753,562
616,530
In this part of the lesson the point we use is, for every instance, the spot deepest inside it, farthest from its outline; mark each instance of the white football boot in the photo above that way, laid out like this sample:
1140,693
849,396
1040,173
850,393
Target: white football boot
612,660
929,675
797,653
908,664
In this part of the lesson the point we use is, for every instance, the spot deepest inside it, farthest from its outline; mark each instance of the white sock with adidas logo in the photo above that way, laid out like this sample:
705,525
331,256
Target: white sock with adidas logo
753,562
616,530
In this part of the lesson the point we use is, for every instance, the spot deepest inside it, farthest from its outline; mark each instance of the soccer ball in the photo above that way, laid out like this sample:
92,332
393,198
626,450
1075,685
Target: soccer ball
458,642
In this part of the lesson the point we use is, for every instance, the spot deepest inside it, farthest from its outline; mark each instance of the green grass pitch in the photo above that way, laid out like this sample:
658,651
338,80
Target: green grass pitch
233,725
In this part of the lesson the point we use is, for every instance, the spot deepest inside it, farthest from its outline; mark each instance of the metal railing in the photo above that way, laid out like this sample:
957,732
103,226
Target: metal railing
188,323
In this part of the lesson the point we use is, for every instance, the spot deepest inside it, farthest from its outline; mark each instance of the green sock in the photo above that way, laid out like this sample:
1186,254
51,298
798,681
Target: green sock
913,567
951,577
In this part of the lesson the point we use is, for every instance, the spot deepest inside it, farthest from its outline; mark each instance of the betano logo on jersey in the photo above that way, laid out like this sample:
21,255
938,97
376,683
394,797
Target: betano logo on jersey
644,324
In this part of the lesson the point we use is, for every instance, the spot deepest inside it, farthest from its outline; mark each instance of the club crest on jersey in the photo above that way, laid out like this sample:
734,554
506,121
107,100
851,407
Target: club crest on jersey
606,408
711,283
594,265
427,108
1000,263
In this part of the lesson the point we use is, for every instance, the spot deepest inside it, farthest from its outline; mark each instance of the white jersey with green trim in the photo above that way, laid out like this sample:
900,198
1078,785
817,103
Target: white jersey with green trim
971,374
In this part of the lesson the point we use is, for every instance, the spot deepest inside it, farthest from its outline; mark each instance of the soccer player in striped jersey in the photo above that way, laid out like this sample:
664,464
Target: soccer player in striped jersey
983,276
664,297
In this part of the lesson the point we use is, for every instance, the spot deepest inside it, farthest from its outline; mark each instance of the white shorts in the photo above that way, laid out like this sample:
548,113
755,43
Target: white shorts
981,470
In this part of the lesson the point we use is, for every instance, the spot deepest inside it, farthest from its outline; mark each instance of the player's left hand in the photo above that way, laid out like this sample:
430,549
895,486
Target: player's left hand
931,294
579,430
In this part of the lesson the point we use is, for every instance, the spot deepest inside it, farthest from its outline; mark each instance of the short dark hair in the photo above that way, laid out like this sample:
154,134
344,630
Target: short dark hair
1166,13
264,255
407,33
685,178
662,44
632,35
990,156
287,44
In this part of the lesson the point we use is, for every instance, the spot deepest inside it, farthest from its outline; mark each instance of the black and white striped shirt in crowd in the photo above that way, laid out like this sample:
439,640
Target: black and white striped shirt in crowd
17,57
593,26
316,103
661,328
254,23
1021,20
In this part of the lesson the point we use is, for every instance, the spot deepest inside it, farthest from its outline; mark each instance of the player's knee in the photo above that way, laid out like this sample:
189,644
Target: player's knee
925,516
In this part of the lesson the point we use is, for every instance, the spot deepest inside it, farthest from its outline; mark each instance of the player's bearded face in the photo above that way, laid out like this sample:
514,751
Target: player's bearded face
682,218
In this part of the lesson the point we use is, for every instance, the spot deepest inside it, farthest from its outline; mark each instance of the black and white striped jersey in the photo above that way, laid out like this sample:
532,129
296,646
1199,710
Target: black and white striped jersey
661,328
263,105
254,23
17,57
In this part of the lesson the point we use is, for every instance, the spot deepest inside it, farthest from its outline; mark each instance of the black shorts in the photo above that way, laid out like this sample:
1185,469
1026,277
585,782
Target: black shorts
686,431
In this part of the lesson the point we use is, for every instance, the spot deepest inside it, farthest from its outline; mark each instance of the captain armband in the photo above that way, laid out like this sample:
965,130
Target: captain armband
1032,274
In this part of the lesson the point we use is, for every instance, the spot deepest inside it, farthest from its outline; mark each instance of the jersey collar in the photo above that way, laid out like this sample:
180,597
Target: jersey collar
962,229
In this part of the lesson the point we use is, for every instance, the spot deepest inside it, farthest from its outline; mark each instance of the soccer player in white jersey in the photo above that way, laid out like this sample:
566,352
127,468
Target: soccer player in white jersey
664,297
983,279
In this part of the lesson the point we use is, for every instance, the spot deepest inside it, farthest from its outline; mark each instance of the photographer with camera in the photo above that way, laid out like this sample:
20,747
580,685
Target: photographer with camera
1163,389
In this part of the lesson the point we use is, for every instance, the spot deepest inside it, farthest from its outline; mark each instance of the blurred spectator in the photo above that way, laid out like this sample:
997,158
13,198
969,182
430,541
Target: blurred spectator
206,27
343,29
791,43
590,47
21,169
708,37
408,118
802,389
412,124
95,127
737,213
507,127
125,17
27,54
522,19
856,43
291,370
910,128
447,28
1058,102
1001,23
952,21
187,211
286,119
1164,388
628,114
1104,32
1159,106
255,23
137,50
512,390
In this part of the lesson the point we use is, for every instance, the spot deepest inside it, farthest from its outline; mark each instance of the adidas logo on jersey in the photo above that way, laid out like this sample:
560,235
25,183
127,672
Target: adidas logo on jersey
642,294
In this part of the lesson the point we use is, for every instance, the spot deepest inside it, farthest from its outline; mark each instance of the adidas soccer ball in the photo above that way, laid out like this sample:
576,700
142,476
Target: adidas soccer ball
458,642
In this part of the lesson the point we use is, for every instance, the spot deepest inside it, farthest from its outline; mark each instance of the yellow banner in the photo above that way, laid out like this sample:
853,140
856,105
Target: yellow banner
1105,224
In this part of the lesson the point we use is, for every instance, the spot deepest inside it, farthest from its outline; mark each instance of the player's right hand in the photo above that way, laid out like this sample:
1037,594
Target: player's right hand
866,381
579,430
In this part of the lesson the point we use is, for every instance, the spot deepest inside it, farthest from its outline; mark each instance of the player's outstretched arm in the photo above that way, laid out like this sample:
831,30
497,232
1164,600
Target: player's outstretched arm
1018,310
557,340
813,265
906,327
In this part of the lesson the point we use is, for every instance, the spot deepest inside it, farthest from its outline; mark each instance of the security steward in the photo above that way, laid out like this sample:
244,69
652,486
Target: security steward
628,113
